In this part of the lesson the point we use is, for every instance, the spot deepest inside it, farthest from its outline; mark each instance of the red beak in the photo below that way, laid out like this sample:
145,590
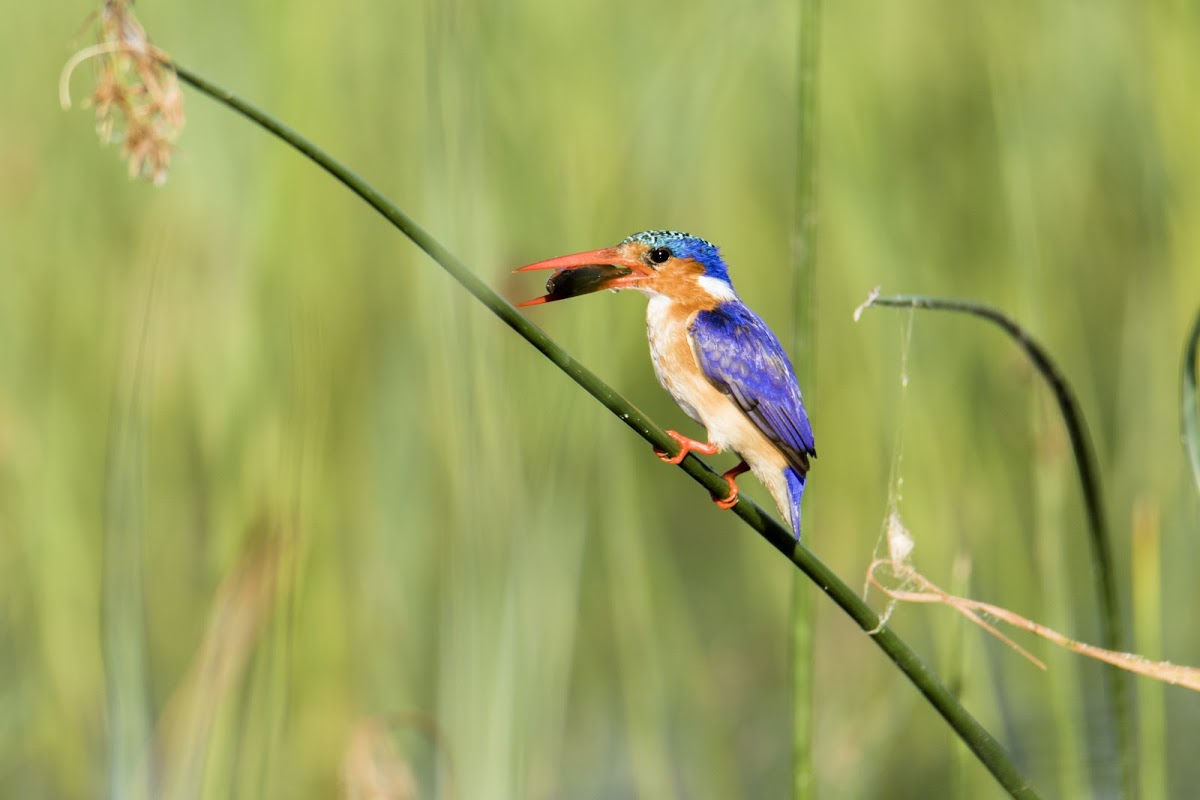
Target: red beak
584,273
609,256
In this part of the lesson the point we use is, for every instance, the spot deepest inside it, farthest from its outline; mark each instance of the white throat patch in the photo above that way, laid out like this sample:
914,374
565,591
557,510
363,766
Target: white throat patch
719,289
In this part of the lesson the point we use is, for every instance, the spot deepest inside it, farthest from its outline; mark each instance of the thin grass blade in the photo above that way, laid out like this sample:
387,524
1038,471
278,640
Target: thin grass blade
1190,403
804,351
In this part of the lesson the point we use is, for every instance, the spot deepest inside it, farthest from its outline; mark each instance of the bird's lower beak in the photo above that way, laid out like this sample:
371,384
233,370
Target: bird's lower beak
584,273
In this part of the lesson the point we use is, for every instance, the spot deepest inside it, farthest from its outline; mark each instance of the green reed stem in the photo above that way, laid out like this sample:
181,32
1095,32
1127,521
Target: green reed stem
1103,570
804,351
1190,403
123,602
982,743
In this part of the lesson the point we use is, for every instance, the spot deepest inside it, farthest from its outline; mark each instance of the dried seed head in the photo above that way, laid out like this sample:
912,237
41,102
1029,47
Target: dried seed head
137,99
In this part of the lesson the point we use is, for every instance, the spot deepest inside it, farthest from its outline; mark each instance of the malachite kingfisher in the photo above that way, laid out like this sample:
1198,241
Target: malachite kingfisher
716,357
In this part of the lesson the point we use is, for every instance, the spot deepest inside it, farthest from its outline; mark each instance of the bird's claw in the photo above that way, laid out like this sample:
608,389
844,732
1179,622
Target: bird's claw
664,457
729,502
669,459
686,446
731,499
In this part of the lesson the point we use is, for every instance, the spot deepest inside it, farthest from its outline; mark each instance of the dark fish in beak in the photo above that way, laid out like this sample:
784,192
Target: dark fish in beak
576,281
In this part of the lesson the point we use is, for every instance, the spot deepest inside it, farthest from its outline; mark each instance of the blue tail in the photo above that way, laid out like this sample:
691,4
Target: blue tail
795,485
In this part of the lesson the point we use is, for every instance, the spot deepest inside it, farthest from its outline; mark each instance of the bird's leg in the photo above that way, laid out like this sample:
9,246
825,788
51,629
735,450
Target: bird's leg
731,500
686,446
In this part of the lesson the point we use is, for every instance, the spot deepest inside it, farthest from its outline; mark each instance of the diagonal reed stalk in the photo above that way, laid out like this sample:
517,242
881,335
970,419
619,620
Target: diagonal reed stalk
977,738
804,352
1103,570
1189,402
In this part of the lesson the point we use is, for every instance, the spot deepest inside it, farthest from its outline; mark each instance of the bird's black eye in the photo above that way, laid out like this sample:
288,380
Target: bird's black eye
658,255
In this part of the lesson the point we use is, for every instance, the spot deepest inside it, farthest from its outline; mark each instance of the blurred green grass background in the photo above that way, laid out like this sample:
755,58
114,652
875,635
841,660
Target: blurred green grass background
276,493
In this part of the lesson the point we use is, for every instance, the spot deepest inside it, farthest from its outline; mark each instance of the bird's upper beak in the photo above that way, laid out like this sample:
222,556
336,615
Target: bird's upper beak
584,273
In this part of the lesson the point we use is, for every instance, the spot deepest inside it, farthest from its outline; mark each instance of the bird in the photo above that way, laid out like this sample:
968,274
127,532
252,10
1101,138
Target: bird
716,358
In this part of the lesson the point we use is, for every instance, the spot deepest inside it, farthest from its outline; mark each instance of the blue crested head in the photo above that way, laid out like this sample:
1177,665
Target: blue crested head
684,245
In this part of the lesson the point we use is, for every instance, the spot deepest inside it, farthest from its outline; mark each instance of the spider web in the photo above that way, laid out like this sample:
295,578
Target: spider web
892,532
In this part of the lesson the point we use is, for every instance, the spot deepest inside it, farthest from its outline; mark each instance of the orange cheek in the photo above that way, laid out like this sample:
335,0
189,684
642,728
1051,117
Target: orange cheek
679,281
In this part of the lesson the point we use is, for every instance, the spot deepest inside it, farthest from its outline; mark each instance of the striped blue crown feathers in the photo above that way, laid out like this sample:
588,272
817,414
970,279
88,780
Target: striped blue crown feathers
684,245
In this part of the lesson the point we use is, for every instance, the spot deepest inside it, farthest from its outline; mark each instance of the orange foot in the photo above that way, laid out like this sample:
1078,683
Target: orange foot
686,446
731,499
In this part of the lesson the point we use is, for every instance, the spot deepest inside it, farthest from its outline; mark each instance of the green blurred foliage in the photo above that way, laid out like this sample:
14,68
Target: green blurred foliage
269,480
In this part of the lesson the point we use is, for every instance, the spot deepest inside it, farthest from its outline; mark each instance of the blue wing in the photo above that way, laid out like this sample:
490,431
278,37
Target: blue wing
741,356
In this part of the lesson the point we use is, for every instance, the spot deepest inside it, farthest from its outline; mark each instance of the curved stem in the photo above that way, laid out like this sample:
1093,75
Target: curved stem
1190,402
978,739
1103,570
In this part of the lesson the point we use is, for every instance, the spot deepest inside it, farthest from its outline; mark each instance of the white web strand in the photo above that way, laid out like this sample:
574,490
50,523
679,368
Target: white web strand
899,540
